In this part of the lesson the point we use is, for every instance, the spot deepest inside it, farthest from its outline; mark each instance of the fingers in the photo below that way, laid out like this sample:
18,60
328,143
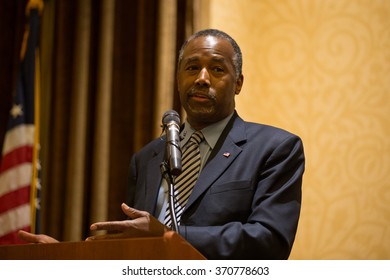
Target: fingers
111,226
105,237
126,233
27,237
129,233
35,238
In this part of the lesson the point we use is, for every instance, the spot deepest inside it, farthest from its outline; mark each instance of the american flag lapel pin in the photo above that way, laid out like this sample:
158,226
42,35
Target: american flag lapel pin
226,154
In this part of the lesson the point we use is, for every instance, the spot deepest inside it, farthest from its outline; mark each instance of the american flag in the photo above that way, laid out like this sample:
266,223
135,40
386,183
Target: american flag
19,168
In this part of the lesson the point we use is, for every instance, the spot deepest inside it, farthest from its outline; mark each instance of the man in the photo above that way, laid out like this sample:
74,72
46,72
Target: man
246,201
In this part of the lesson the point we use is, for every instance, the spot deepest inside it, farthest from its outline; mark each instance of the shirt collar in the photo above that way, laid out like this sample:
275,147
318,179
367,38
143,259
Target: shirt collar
211,133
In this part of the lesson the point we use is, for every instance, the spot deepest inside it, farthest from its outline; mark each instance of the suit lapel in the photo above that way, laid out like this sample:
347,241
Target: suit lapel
223,157
153,180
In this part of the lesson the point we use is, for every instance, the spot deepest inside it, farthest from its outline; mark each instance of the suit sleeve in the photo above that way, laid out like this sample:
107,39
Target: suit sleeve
270,229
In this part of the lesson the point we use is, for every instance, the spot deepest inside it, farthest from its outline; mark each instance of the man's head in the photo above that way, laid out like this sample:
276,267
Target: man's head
209,76
237,59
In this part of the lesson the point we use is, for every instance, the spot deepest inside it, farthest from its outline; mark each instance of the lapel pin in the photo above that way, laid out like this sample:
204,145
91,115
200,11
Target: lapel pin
226,154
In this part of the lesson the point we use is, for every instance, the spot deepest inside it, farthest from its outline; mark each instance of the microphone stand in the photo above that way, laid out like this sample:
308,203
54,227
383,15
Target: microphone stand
165,171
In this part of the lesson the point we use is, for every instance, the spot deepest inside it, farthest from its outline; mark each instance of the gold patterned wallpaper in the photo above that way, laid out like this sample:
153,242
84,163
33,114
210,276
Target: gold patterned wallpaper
321,69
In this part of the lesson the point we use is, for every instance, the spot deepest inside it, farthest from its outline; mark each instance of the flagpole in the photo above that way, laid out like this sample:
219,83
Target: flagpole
35,183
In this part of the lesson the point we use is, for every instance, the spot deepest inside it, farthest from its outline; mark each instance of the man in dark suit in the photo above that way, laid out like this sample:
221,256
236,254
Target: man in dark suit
246,201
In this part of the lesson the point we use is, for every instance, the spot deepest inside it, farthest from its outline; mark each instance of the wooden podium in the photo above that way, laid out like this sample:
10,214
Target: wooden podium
171,246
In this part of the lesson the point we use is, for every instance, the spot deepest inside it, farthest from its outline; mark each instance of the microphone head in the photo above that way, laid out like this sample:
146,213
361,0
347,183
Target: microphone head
171,116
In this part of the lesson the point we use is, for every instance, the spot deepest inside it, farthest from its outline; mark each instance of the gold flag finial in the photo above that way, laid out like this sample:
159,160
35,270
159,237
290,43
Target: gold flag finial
34,4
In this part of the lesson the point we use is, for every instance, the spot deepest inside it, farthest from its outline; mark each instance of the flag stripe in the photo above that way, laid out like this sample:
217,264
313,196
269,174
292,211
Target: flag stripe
21,135
16,157
15,219
16,177
14,199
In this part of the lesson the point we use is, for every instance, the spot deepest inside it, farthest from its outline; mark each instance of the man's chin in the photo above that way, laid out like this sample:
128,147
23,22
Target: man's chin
201,114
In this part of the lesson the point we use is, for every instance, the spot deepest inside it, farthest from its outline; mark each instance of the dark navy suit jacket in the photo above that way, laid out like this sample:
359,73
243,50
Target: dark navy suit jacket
247,199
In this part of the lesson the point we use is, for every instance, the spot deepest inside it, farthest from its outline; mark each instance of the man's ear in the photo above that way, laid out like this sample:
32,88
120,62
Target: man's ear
239,83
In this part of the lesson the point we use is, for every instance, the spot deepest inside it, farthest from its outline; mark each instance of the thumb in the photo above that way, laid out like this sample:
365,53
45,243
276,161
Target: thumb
132,212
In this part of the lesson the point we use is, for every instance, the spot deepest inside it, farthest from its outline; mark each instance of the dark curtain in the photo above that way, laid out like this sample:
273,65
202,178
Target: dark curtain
131,99
12,21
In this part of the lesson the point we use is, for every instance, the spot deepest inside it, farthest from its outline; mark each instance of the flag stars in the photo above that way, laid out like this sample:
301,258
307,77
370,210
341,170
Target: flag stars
38,164
38,183
37,203
16,110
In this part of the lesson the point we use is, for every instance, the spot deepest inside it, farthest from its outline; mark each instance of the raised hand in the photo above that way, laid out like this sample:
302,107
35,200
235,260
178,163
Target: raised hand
140,224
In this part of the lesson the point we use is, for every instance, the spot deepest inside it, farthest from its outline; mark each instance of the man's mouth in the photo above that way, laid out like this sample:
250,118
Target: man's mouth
200,95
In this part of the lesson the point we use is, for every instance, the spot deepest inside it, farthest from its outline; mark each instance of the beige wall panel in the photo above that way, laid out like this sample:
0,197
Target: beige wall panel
321,69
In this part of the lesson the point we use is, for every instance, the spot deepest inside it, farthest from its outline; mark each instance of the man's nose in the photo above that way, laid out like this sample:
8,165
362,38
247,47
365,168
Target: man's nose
203,77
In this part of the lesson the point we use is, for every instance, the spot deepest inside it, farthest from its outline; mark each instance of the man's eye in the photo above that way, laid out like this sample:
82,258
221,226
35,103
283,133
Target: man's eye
191,68
218,69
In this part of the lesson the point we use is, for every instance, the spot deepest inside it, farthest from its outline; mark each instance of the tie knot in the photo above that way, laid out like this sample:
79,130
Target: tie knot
197,137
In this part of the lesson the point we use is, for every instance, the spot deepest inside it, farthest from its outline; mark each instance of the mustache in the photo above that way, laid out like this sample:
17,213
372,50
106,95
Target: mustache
201,91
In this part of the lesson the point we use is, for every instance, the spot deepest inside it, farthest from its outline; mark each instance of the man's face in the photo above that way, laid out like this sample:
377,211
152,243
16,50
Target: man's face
207,81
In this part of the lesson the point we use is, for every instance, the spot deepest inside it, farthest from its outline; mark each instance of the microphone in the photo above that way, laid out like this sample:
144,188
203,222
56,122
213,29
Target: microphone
171,125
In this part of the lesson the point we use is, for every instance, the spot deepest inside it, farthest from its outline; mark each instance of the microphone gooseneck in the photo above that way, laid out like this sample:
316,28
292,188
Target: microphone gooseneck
171,125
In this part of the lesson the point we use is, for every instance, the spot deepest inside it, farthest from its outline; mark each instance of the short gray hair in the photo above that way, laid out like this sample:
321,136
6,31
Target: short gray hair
237,58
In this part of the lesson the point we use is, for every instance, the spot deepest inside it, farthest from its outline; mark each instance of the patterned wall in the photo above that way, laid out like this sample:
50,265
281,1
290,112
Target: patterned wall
321,69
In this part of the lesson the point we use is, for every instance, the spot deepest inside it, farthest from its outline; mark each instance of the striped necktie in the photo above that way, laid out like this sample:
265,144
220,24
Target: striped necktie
186,180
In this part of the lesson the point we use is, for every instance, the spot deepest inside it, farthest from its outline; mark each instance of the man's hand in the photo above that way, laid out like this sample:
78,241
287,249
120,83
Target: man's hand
140,224
35,238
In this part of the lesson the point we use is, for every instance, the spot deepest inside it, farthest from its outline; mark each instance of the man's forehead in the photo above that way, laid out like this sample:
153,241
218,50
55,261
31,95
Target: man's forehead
214,44
208,41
